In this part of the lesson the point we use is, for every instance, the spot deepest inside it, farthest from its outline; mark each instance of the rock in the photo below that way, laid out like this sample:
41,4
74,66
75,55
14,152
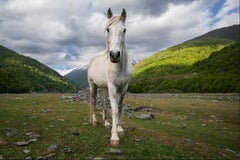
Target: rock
45,110
83,96
182,125
115,151
29,158
29,133
137,140
10,132
75,133
98,158
146,116
26,151
32,140
41,158
19,98
21,143
52,148
33,135
146,109
68,150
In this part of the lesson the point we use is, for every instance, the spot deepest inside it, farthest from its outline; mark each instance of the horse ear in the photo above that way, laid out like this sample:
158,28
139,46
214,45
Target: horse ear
123,15
109,13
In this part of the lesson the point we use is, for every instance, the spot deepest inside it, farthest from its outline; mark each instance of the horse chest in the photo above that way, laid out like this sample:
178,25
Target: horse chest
119,79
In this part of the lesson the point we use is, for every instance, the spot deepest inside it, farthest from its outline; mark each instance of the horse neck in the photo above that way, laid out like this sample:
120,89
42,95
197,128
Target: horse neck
123,65
124,59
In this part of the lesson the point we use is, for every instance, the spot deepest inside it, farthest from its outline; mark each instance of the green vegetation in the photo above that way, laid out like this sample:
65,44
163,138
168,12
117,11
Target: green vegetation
218,72
204,64
20,74
189,126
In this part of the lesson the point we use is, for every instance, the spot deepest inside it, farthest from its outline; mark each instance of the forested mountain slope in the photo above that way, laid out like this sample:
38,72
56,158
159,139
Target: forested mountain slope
208,63
20,74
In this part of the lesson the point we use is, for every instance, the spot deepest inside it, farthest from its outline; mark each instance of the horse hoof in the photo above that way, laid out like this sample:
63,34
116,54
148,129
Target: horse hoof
108,126
94,123
115,143
121,134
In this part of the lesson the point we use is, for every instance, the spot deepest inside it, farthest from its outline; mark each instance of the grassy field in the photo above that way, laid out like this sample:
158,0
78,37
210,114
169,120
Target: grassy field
188,126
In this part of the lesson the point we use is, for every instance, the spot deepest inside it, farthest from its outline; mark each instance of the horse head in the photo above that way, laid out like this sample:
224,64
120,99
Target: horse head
115,35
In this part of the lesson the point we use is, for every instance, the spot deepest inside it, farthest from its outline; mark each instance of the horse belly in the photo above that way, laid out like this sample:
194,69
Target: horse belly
100,81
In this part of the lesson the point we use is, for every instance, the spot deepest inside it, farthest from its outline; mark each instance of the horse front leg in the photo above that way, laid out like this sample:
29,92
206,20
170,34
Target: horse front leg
114,106
92,114
104,113
120,106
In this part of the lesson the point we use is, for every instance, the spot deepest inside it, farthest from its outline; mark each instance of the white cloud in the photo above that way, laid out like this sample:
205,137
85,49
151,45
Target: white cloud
228,6
171,27
228,15
68,33
226,20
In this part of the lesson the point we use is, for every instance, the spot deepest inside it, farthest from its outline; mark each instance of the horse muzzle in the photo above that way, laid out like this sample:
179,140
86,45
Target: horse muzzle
115,56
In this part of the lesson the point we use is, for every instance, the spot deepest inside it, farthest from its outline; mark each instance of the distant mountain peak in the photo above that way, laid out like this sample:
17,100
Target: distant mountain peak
78,76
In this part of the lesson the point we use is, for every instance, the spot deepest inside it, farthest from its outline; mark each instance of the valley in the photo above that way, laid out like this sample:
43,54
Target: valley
197,126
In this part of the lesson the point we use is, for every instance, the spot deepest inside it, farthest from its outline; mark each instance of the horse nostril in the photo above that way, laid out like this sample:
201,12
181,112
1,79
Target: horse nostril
118,54
111,54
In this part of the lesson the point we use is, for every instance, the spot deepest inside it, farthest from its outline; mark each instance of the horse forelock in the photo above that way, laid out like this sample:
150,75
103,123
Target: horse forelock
113,20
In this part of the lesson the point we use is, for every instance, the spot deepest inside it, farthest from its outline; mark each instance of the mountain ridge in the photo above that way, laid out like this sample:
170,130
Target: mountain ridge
230,33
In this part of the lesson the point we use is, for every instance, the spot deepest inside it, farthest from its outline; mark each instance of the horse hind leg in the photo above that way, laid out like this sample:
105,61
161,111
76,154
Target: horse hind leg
92,114
105,107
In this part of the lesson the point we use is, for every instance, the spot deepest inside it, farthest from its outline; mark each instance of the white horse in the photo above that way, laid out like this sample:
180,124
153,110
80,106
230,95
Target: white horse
111,71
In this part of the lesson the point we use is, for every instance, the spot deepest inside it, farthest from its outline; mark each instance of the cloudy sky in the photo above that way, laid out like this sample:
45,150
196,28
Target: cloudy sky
65,34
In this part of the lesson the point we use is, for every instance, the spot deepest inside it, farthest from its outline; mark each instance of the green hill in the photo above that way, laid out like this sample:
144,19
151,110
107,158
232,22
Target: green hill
198,65
20,74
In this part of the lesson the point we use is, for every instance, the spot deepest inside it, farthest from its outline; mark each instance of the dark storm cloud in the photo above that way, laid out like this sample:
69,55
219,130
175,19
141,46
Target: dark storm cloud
147,7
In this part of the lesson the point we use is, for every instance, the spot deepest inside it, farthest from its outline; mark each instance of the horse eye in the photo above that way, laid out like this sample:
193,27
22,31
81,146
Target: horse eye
108,30
124,30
